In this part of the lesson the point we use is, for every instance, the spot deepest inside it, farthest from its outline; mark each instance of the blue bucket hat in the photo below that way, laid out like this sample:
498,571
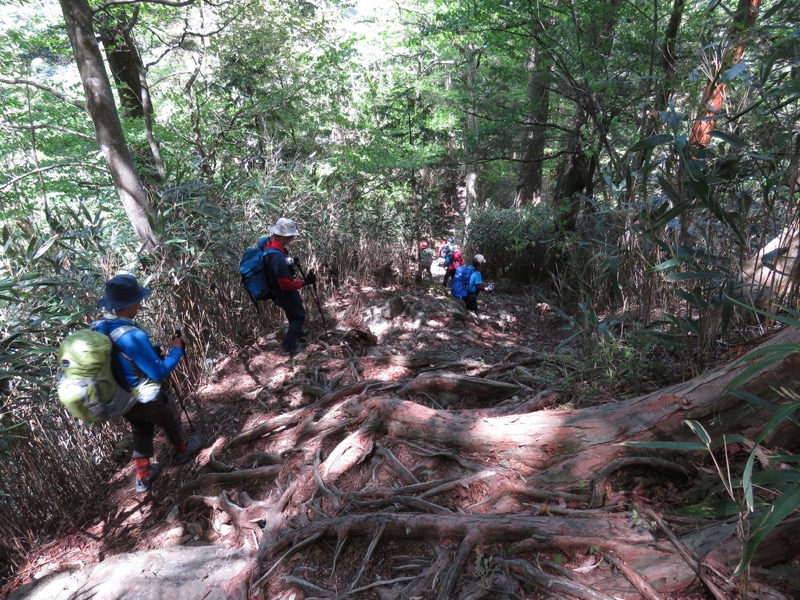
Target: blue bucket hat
122,291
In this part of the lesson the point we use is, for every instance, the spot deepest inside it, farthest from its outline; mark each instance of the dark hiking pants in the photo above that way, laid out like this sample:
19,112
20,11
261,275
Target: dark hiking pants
292,305
162,412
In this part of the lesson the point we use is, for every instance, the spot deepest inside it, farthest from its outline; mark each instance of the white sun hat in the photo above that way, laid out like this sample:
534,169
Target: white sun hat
284,227
479,258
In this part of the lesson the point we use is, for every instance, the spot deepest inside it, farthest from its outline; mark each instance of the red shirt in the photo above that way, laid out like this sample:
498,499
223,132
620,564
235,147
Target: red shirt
286,282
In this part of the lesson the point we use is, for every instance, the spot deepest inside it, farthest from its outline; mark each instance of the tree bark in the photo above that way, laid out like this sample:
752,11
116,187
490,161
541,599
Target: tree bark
130,75
529,176
772,276
716,91
472,56
569,446
103,111
575,174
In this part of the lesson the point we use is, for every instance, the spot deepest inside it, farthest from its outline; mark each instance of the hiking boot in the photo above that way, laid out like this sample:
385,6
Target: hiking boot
143,485
303,337
299,347
192,446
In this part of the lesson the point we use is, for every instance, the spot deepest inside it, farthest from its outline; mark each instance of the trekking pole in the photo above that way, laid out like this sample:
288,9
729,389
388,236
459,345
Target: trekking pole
174,385
316,299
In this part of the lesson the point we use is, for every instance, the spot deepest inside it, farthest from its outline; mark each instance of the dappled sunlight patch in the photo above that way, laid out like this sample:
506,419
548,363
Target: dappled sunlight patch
385,372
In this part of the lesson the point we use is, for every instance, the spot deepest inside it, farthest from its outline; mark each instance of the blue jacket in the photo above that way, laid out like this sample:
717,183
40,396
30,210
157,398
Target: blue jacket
135,363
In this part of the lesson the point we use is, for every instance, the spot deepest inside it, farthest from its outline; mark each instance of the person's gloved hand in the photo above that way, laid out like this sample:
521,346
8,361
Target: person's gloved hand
490,288
310,278
290,261
179,340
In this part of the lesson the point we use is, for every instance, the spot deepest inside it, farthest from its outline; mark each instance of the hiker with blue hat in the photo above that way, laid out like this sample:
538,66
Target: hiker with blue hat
139,369
286,294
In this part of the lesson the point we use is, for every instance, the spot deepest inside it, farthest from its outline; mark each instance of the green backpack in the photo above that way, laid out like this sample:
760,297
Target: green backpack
87,387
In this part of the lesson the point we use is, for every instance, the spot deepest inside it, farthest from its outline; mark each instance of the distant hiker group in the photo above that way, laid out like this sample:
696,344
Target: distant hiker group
465,281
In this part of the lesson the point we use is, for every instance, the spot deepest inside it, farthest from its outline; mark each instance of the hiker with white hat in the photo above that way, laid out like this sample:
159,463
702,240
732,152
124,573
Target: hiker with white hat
468,283
287,291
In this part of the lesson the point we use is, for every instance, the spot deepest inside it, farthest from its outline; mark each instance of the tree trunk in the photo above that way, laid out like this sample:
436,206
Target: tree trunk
575,174
772,276
103,111
130,75
529,175
652,117
471,194
715,93
569,446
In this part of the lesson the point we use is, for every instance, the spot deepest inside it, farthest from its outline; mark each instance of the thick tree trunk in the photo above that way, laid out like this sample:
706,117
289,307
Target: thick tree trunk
575,174
129,74
772,276
568,446
472,56
103,111
715,93
529,175
652,117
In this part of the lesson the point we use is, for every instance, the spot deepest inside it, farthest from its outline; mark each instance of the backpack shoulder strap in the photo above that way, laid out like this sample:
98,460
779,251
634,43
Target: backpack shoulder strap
120,331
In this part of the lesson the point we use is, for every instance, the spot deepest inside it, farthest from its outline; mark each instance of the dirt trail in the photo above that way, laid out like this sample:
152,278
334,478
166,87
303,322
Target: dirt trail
283,448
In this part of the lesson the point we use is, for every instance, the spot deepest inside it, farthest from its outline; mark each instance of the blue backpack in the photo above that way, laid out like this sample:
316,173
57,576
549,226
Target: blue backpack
461,281
448,258
255,277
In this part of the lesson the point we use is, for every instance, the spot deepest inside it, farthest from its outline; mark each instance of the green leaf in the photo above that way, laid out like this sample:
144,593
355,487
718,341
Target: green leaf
667,264
693,299
670,190
785,458
732,139
650,142
691,275
772,517
770,315
777,476
779,417
747,481
699,431
789,88
44,247
734,72
690,446
761,403
712,510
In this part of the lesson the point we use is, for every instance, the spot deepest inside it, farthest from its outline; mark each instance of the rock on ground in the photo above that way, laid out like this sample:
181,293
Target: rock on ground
177,573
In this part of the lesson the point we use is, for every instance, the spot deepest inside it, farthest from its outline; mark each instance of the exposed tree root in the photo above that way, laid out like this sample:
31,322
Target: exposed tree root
361,483
600,479
461,385
232,477
242,517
